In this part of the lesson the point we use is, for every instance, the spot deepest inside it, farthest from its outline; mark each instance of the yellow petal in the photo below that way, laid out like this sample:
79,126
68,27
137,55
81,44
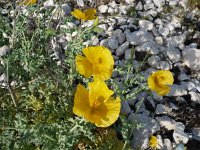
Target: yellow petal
98,90
83,66
78,14
111,112
102,61
81,101
90,14
153,142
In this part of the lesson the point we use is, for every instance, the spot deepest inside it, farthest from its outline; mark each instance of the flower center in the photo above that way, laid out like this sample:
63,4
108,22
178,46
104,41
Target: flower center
100,60
98,101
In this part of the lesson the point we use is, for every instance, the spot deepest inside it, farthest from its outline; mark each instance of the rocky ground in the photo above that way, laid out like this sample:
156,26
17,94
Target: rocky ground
168,33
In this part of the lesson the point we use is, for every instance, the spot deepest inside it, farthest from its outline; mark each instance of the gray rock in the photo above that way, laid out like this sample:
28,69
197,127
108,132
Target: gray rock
164,65
66,9
103,8
183,76
191,58
141,136
129,54
195,97
139,37
159,3
173,3
166,122
123,9
173,106
2,78
125,108
4,50
148,6
196,131
159,40
180,137
164,31
154,61
121,49
113,43
120,36
162,109
80,3
190,86
129,1
160,142
177,90
174,41
145,24
139,6
149,47
174,54
111,10
49,3
180,146
4,11
168,144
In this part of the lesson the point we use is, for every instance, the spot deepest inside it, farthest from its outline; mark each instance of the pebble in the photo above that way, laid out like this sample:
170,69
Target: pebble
148,6
103,8
120,36
145,24
159,3
154,61
159,40
139,6
113,43
48,3
195,97
164,65
164,31
177,90
66,9
4,50
139,37
180,137
149,47
129,54
174,54
174,41
121,49
166,122
191,58
80,3
162,109
125,108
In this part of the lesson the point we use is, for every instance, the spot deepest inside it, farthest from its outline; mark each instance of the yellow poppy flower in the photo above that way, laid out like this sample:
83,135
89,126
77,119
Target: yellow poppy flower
89,14
153,142
96,104
29,2
160,81
98,62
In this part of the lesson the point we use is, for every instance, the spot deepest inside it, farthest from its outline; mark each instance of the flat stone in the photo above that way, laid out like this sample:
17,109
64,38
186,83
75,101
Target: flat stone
191,58
174,41
120,36
177,90
174,54
121,49
190,86
145,24
141,136
80,3
164,65
166,122
113,43
129,54
183,76
148,6
164,31
154,61
167,144
139,37
125,108
162,109
149,47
